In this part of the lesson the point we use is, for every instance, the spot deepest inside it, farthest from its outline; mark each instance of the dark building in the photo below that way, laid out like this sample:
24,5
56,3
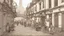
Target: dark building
7,14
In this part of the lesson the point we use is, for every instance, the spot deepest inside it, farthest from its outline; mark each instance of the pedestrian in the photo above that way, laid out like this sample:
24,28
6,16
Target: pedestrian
51,29
12,27
7,27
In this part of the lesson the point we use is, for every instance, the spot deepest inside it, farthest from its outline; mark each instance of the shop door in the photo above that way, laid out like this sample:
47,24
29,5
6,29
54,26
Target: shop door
56,19
43,20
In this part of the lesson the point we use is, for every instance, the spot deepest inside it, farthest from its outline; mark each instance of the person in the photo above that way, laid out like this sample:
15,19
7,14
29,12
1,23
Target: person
12,27
51,29
7,27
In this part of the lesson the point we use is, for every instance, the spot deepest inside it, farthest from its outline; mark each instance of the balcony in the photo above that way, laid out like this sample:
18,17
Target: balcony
57,9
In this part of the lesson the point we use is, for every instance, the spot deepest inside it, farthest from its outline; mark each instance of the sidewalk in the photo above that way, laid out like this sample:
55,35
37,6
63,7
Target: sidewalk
56,32
5,34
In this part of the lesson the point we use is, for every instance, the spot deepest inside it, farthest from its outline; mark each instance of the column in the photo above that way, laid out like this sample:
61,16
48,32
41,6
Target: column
59,2
37,7
48,23
60,20
53,19
47,20
42,5
52,3
47,4
53,12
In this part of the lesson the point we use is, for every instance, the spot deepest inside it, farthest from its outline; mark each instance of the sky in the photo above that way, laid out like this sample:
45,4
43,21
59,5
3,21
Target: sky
24,2
20,9
17,1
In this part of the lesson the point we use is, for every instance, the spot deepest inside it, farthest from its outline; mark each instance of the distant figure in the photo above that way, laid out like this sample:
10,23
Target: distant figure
12,27
17,23
7,27
51,28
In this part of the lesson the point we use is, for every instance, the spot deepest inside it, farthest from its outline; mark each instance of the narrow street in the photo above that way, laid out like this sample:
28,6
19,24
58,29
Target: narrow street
21,30
31,17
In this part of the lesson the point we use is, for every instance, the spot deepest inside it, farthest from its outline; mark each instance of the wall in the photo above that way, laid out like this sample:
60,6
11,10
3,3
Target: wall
1,23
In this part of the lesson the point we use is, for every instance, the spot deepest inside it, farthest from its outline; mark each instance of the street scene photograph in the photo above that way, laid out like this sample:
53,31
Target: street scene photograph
31,17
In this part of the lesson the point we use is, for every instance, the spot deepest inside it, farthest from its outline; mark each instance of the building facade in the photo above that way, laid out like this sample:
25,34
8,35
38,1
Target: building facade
7,14
50,10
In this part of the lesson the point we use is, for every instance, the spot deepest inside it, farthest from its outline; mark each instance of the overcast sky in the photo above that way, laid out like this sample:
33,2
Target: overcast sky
21,6
24,2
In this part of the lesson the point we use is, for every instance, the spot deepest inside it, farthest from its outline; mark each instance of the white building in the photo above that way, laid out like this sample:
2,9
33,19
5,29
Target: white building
53,10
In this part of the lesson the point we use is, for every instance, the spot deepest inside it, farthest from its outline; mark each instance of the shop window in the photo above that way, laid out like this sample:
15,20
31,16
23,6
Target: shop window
62,0
55,3
56,20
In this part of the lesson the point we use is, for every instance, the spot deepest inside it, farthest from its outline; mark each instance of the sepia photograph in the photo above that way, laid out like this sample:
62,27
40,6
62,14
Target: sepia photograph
31,17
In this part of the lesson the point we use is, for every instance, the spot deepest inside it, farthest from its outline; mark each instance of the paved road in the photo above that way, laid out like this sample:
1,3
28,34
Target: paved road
26,31
21,30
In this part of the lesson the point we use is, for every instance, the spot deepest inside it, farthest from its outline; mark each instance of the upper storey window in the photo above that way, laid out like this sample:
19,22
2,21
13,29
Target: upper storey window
39,6
55,2
36,8
49,3
62,0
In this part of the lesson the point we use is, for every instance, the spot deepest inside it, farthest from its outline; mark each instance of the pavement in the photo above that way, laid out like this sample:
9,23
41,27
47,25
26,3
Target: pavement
27,31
